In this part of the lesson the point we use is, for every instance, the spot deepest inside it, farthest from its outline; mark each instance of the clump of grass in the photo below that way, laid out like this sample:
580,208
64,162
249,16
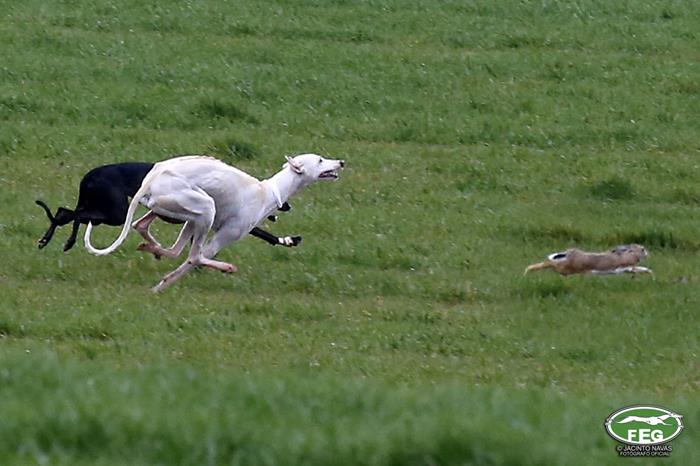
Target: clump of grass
580,354
613,188
130,113
13,105
7,328
667,14
685,196
234,149
552,234
355,36
544,288
88,331
656,239
522,40
222,110
9,143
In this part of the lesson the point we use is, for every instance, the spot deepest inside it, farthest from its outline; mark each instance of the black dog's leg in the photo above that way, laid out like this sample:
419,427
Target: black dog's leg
285,208
63,217
52,228
265,236
47,236
73,235
289,241
113,217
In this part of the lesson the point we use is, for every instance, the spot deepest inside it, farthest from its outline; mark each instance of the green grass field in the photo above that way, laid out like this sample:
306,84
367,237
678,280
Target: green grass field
480,136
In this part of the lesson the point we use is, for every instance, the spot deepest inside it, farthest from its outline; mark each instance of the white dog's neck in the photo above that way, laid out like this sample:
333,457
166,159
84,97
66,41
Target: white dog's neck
284,184
276,195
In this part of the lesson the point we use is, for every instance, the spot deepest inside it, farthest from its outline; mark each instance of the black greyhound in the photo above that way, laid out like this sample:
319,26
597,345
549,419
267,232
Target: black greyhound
104,198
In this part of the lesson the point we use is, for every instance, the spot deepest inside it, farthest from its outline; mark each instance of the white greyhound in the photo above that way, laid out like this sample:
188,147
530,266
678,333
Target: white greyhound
208,194
652,420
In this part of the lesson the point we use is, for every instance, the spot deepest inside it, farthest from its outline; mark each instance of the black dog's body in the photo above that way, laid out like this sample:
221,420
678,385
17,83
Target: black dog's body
104,197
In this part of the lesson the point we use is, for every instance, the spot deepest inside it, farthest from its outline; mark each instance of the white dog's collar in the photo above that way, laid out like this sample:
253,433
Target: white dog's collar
275,193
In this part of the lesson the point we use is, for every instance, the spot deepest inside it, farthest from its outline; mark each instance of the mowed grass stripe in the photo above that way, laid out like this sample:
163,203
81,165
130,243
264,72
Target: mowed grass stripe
86,412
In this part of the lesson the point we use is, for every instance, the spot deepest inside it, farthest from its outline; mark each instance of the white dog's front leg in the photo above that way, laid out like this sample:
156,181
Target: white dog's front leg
226,235
204,255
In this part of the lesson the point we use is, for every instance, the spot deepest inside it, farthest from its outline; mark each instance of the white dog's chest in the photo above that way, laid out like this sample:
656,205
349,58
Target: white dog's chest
244,206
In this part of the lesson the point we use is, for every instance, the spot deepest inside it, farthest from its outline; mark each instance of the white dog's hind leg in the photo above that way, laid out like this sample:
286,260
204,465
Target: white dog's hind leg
173,251
142,226
170,278
188,265
197,208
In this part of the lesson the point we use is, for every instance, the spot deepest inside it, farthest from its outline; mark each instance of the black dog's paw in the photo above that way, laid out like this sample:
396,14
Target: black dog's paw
272,218
285,207
41,244
290,241
69,244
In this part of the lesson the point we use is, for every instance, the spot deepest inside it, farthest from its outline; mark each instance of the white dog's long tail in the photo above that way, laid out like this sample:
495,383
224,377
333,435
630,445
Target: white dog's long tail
127,222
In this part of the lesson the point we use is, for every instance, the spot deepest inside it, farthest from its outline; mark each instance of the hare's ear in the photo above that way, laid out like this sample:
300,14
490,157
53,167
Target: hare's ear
297,168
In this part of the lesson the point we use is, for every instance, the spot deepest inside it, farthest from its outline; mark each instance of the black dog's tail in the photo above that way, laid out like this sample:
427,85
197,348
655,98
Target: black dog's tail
63,216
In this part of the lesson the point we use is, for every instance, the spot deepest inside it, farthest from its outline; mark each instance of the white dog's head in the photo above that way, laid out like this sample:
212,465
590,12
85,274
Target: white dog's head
314,167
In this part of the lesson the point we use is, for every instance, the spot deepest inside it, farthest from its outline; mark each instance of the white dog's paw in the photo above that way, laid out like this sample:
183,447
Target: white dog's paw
230,269
159,287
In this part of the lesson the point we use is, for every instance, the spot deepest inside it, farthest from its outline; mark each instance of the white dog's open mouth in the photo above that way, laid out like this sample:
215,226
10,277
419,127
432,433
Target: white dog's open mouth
330,174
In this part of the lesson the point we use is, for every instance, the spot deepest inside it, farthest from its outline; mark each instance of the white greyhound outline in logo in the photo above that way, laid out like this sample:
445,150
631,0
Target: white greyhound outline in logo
652,420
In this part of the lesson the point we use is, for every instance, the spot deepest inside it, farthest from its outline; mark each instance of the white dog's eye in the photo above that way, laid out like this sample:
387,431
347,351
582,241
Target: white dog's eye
320,160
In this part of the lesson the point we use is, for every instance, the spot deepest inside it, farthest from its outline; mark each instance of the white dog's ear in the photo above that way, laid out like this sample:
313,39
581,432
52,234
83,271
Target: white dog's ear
294,166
